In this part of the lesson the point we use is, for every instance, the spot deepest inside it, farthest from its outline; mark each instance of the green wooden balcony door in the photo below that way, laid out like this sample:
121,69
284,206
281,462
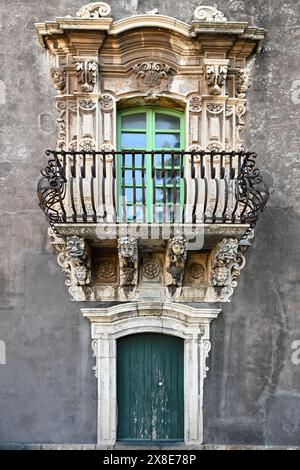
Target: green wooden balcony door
150,388
149,129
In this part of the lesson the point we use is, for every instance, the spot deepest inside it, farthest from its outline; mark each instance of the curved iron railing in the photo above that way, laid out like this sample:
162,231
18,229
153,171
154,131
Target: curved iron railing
194,187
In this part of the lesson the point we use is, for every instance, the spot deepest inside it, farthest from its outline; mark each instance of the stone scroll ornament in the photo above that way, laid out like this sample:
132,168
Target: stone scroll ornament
175,263
75,261
227,263
94,10
128,264
209,14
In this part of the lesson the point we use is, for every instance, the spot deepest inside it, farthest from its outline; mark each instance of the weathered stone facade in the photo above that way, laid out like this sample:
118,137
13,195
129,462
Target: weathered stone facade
254,376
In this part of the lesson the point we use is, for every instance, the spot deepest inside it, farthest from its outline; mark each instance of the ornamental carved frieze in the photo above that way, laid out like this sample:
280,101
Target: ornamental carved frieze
215,76
86,71
87,143
227,263
94,10
151,270
175,263
105,269
58,75
106,102
128,263
195,104
87,104
61,121
75,261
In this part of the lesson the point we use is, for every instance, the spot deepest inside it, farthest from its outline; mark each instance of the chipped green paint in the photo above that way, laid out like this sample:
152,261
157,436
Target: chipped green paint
150,388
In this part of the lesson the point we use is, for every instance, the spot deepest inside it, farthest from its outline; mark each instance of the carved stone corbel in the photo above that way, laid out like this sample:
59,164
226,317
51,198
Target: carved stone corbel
86,71
242,82
58,75
175,263
215,75
128,264
75,260
227,261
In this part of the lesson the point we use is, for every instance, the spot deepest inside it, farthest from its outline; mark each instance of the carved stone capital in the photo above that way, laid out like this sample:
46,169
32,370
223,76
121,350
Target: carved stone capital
175,262
86,71
215,75
128,263
227,263
94,10
209,14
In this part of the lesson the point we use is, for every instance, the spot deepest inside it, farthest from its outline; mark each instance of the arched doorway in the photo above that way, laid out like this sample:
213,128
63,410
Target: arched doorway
150,395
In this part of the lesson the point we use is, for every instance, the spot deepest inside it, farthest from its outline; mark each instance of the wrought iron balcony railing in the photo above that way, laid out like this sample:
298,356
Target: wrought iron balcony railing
152,187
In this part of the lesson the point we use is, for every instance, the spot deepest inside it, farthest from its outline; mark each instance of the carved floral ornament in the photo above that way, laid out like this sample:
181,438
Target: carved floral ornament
86,71
215,75
151,73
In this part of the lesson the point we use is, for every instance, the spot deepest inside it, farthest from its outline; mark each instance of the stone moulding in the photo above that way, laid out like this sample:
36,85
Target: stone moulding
189,323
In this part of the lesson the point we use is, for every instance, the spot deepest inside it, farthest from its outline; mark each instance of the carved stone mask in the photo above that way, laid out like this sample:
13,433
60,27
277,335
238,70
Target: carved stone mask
178,246
228,250
75,246
127,247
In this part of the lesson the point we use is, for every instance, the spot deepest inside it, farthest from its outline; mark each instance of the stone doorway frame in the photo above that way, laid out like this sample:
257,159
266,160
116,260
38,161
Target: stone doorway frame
190,323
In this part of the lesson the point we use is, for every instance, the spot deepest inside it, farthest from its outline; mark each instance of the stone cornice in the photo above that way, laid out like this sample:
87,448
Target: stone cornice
196,29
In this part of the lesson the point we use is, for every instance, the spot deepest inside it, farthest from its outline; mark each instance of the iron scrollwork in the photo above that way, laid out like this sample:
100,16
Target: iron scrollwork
51,189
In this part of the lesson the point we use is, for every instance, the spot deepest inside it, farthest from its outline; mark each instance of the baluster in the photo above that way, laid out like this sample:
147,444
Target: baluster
93,176
124,212
73,177
143,187
81,188
153,186
134,186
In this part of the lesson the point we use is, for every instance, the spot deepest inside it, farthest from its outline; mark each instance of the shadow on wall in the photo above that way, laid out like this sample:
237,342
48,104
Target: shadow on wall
252,394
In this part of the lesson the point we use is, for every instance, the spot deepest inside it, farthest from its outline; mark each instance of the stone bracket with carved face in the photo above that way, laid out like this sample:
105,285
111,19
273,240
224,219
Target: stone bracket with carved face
175,263
128,263
227,261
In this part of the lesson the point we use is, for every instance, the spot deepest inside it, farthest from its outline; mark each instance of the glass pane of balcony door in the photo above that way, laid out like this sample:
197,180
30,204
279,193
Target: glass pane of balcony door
149,187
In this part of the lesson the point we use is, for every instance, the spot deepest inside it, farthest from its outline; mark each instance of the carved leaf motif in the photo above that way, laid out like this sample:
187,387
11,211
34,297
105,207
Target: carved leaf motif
151,73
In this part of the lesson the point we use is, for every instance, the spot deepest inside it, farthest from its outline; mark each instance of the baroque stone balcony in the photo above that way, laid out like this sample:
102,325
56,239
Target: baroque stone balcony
102,194
164,225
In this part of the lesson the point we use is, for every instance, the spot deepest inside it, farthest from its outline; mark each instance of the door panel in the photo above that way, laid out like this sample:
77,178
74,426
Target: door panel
150,387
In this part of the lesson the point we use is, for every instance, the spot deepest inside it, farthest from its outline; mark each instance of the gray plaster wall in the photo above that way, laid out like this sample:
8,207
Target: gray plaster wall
47,388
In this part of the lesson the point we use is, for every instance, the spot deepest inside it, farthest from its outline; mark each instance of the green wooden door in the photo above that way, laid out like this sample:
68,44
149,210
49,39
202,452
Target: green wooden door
150,388
147,129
